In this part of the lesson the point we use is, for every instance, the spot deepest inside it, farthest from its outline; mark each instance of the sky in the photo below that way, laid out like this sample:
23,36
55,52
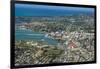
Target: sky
47,10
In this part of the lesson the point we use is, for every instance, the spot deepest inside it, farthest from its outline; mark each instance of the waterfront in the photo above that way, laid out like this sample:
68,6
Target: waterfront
36,36
62,39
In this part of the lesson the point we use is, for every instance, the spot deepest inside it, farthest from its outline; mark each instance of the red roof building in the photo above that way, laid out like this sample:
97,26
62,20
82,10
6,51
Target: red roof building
72,44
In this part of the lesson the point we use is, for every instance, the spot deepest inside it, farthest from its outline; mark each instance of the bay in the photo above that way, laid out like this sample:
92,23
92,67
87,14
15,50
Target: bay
36,36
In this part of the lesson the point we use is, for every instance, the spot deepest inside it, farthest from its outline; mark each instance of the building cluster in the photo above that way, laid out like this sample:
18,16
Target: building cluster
73,46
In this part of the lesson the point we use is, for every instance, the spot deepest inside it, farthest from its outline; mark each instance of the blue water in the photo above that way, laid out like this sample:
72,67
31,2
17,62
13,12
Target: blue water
45,10
29,35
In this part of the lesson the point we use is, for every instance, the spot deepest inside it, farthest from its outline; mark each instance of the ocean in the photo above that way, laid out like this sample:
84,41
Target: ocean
45,10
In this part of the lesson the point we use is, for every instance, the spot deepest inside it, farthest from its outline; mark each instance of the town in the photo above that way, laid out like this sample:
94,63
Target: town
74,34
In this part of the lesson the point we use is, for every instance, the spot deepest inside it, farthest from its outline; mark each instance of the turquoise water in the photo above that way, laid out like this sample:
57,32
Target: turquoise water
29,35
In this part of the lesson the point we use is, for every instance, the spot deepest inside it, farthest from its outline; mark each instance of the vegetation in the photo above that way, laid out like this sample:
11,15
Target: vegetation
75,36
